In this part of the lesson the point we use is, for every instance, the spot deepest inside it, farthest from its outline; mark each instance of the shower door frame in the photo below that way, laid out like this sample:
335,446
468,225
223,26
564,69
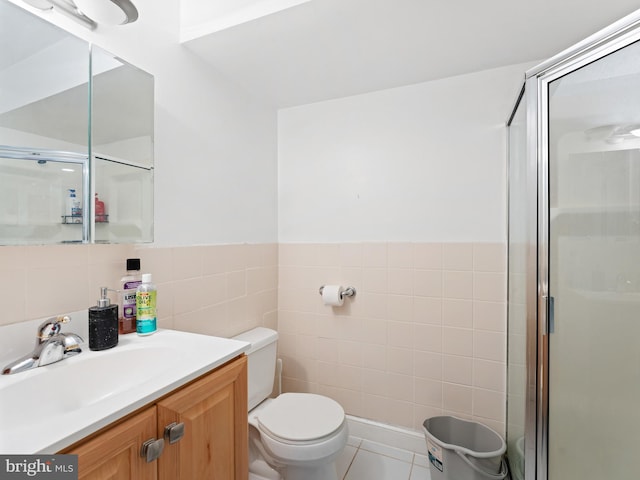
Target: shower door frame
536,87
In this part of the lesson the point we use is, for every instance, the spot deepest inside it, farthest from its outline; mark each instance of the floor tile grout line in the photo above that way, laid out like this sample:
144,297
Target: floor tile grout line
411,470
389,456
412,463
351,462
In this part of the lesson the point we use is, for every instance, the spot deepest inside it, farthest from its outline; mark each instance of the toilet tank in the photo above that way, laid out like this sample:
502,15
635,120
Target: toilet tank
261,362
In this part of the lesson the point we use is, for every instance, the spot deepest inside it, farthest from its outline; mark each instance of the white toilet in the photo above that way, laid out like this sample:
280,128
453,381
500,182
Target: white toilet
295,436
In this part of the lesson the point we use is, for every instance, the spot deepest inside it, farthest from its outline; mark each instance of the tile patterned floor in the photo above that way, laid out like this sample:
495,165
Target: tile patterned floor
367,460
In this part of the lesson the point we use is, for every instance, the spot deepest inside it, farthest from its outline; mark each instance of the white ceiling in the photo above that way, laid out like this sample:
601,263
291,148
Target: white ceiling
325,49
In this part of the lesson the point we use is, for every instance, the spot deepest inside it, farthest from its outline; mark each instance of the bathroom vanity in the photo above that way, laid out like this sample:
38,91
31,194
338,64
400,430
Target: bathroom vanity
208,419
182,395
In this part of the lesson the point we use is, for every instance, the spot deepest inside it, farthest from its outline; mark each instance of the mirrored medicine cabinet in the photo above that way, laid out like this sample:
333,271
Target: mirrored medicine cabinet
76,138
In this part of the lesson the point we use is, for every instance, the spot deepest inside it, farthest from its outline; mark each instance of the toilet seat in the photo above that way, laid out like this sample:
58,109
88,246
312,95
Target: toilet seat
299,418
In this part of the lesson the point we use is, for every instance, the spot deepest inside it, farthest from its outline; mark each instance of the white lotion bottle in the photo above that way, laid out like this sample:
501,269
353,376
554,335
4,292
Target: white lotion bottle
146,317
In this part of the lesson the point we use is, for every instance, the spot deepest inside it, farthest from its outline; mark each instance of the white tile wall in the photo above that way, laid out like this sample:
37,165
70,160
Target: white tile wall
218,290
425,334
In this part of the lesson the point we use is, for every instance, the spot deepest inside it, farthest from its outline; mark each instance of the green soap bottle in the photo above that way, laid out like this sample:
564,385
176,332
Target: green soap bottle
146,317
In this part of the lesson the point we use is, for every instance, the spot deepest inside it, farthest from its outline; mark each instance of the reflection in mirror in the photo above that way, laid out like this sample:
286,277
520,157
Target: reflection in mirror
126,193
44,103
122,149
121,110
65,106
35,199
44,84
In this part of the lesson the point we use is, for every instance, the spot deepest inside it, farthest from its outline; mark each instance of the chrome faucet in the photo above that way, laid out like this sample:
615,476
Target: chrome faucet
51,346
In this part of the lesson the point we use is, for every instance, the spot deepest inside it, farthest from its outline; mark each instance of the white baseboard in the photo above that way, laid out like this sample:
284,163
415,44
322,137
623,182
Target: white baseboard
398,437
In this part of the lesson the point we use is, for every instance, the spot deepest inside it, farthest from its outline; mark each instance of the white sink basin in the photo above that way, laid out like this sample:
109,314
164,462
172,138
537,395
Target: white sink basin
47,408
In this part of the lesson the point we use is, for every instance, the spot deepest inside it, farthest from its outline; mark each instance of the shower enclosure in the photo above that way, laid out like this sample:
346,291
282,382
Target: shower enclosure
574,263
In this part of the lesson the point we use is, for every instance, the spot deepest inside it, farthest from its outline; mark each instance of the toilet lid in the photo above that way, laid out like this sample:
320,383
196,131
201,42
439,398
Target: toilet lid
300,417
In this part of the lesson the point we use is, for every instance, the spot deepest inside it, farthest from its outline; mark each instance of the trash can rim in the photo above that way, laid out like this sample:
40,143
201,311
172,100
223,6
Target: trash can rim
473,453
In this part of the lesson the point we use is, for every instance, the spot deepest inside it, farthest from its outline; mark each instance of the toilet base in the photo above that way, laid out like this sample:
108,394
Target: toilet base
255,476
263,467
321,472
261,470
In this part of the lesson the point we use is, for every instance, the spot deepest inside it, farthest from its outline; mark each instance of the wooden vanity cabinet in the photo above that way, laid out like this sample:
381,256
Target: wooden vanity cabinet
214,446
115,453
214,412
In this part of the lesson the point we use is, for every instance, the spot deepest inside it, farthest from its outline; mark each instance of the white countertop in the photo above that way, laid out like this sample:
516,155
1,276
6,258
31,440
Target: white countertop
48,408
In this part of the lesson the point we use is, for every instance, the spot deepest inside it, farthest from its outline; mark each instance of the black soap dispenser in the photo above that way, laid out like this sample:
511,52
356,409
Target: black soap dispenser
103,323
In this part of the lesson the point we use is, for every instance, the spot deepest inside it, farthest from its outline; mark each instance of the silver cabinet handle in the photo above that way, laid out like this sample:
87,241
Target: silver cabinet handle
152,449
174,432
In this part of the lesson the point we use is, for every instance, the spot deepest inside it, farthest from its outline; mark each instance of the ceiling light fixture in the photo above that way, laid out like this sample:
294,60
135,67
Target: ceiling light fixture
40,4
91,13
109,12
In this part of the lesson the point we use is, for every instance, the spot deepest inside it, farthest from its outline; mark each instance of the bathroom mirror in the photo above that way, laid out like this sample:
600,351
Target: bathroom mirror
72,117
121,149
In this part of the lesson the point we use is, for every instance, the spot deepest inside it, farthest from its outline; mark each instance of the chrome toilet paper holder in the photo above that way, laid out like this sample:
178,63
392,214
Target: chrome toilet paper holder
347,292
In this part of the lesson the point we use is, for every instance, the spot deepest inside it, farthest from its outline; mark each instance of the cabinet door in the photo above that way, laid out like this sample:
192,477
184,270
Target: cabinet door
214,413
115,454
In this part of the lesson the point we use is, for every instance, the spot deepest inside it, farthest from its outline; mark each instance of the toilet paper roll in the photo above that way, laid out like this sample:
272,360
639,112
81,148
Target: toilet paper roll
332,295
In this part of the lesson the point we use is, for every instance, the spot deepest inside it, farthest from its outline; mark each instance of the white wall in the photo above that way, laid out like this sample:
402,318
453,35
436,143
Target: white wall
200,17
419,163
215,147
402,194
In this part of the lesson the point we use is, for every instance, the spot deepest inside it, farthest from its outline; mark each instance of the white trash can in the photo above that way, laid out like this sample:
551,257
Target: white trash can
464,450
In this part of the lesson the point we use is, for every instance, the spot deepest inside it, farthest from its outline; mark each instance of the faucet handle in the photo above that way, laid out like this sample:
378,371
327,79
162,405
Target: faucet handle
71,343
50,327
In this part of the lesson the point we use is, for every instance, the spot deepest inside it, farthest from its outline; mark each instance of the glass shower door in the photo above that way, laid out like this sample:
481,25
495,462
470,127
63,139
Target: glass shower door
517,287
594,270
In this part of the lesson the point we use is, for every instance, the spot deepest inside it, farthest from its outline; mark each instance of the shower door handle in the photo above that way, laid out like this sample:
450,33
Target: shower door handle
550,324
